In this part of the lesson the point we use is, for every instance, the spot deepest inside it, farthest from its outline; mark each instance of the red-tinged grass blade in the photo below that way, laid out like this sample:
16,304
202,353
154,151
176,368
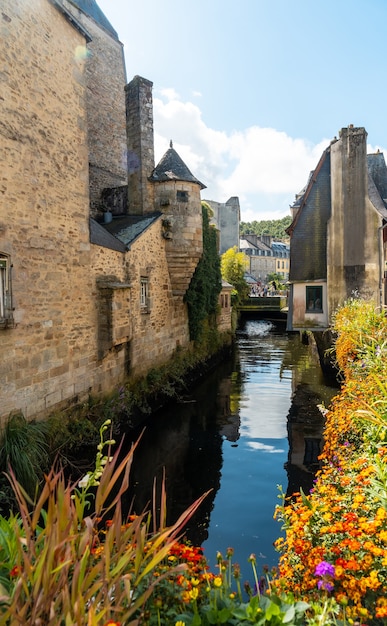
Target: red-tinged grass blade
109,480
162,543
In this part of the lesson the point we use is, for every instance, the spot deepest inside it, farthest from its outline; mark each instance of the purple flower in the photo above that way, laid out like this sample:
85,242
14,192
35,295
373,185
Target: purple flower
324,569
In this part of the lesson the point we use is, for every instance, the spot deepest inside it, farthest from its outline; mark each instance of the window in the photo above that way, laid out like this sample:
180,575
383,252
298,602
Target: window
6,317
144,294
314,299
182,196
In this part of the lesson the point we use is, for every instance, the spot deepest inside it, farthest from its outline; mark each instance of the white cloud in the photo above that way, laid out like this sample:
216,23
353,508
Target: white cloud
264,167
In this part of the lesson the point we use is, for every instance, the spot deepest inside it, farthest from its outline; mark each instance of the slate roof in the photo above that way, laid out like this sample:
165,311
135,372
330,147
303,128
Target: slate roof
245,244
121,231
101,237
308,250
172,167
378,171
91,8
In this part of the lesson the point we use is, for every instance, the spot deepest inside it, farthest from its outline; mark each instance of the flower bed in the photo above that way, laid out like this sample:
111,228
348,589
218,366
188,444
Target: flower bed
343,521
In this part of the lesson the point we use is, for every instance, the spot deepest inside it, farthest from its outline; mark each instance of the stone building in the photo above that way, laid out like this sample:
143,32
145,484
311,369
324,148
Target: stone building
93,263
266,256
338,233
226,218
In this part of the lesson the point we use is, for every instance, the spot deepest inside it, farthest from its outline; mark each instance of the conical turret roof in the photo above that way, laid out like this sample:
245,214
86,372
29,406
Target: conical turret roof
172,167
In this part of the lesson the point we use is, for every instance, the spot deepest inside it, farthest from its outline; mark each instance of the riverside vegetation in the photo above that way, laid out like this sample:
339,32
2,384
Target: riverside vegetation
68,557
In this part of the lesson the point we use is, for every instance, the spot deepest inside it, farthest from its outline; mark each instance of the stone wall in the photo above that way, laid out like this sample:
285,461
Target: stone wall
140,144
44,212
353,256
152,333
226,219
105,81
183,230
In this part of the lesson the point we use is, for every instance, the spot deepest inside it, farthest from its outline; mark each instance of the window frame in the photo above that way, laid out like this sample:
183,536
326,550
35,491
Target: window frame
314,294
6,307
182,195
144,293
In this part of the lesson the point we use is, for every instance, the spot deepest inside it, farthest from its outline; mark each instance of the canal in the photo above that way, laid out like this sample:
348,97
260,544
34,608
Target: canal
252,425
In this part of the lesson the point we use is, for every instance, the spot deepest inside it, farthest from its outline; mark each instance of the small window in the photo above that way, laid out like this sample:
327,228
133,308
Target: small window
182,196
314,299
144,293
6,316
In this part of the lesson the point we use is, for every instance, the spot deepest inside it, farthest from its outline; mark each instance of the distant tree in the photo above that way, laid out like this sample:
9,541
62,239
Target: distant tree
275,228
275,280
234,264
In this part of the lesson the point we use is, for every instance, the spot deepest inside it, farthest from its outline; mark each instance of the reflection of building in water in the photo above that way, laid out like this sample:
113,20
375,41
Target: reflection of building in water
228,421
305,427
305,421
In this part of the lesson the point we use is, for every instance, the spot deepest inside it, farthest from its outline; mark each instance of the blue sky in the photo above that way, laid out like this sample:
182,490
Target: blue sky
251,92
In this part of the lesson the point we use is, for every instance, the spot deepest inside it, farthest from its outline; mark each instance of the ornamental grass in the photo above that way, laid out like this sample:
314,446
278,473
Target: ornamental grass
342,523
71,559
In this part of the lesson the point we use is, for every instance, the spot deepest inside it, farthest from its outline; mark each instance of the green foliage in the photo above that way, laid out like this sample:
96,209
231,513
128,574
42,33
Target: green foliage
275,280
24,448
206,284
275,228
234,264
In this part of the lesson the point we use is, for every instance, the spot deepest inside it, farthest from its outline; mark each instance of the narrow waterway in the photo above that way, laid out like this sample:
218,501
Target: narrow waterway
252,425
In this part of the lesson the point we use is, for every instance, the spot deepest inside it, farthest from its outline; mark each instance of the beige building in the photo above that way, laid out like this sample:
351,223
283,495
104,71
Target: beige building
87,296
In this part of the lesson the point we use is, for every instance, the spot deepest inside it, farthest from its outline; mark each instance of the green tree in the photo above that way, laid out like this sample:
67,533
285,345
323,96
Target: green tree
275,228
275,280
234,264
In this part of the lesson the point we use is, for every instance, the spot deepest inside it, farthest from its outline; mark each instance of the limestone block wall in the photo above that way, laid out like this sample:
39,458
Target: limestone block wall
105,80
47,357
140,337
164,326
184,230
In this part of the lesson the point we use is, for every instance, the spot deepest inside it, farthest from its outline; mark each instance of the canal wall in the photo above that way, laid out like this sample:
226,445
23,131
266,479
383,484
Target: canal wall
325,341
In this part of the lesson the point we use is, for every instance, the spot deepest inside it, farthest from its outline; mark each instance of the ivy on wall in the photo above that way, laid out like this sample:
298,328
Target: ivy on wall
206,284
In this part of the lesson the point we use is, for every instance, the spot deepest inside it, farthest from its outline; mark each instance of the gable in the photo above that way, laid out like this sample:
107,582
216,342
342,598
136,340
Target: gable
308,251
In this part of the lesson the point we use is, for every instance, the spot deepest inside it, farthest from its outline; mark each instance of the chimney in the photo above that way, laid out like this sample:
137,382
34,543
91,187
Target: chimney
140,143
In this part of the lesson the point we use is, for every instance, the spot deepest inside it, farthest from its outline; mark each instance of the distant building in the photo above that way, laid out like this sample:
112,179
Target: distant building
227,220
266,256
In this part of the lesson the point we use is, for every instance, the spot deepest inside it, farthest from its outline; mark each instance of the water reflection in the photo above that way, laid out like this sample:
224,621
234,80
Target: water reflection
250,426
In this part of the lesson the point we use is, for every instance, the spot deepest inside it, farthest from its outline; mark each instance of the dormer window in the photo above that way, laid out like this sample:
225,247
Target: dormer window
6,311
182,196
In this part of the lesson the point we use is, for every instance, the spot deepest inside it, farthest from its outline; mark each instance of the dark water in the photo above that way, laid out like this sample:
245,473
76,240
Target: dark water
253,424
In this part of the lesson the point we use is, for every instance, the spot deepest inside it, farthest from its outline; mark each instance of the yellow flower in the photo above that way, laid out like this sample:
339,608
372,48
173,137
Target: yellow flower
179,623
195,582
194,593
217,581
